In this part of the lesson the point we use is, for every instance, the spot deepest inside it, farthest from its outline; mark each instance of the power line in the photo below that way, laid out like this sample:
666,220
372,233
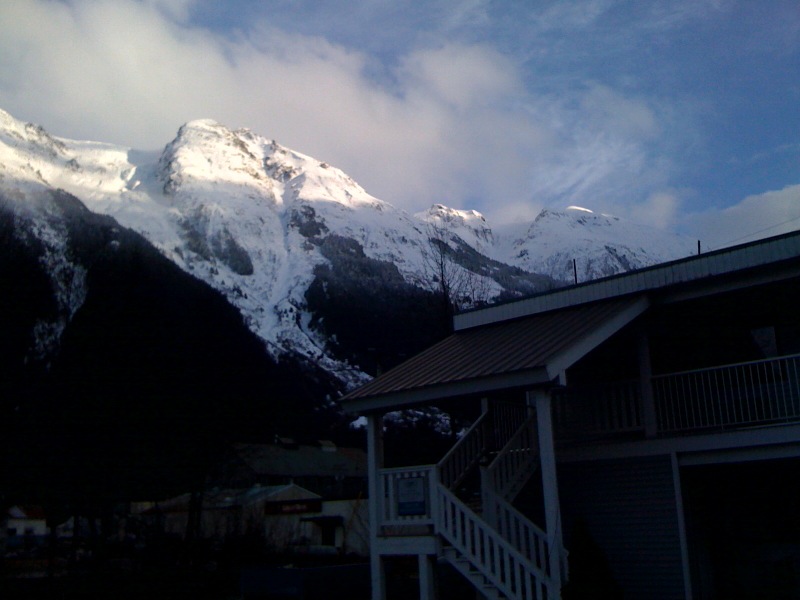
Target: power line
744,237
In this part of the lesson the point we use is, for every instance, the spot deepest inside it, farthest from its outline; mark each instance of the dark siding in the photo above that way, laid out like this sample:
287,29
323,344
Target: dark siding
629,509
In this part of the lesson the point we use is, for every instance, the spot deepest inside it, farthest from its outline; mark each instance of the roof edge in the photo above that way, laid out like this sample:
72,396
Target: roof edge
683,270
468,387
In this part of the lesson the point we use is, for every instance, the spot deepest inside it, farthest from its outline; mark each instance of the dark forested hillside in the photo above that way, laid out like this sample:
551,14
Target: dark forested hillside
153,373
373,317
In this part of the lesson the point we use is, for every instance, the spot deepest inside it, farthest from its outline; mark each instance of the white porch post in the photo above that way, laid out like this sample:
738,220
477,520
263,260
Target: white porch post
541,399
374,464
427,577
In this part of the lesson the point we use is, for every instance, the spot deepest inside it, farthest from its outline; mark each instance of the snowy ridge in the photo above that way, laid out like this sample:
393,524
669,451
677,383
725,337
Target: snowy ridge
599,244
248,216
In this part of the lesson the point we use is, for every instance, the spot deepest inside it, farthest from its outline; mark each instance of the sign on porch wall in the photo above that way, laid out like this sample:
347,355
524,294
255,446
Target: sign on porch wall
411,496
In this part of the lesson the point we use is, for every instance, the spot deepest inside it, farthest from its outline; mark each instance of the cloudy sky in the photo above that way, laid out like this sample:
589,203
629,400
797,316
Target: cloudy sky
684,114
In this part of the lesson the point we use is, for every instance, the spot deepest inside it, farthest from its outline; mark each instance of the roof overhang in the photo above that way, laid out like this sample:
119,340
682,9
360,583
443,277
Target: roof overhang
446,391
521,353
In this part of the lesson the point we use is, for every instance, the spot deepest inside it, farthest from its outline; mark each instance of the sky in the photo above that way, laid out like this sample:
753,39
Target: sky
681,114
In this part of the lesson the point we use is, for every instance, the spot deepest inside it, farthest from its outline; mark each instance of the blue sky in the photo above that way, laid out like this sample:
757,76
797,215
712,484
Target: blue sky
681,114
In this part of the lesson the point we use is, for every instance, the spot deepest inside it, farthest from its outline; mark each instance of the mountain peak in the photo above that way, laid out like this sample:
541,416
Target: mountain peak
469,225
265,225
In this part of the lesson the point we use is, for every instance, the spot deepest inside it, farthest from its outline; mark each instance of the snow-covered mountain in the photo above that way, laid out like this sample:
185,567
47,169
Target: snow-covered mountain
600,245
263,224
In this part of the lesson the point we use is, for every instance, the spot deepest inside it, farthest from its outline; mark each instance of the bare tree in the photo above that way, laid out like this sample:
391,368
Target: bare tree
456,286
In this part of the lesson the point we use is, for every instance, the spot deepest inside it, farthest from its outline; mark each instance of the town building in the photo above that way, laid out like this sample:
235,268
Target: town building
299,498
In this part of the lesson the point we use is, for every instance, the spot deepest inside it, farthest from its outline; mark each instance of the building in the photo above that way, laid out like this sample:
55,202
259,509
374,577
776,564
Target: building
639,432
289,518
302,499
323,468
26,527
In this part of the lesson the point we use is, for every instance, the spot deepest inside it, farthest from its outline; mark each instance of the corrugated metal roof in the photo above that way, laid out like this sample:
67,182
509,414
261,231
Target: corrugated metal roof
503,355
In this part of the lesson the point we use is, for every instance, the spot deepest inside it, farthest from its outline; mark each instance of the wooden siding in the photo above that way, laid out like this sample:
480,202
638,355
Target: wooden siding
629,508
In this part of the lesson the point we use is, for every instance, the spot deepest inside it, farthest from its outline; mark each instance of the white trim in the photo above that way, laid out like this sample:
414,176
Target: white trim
427,579
742,439
559,363
374,464
739,455
676,482
547,456
406,545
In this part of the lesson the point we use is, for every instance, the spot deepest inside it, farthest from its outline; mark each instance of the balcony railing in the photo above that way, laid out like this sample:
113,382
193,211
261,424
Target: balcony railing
752,393
725,397
598,409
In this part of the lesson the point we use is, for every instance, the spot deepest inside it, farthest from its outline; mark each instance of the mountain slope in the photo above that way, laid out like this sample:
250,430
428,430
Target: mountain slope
295,243
121,376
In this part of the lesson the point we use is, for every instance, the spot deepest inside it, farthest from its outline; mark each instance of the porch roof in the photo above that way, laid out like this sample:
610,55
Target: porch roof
530,351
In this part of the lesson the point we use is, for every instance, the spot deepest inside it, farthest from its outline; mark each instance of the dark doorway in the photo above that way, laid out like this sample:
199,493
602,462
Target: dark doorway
743,529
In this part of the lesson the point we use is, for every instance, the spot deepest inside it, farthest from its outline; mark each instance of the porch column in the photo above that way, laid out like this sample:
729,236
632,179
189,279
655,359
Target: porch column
541,400
646,383
427,577
374,464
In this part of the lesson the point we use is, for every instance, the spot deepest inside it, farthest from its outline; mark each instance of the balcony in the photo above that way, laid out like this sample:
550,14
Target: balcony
750,394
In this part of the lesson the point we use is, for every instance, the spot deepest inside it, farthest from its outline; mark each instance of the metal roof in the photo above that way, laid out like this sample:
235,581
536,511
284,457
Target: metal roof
523,352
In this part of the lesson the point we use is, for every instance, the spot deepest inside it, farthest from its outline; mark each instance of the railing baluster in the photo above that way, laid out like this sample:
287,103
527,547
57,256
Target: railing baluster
783,379
707,410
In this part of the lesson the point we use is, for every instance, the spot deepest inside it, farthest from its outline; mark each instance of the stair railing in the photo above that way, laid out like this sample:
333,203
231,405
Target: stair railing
508,549
465,454
514,464
503,565
489,433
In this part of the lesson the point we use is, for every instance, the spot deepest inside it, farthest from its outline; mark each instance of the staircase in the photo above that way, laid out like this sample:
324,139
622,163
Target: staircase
488,541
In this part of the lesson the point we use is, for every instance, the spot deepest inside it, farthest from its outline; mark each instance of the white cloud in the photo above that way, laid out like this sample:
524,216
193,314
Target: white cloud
660,210
757,216
457,124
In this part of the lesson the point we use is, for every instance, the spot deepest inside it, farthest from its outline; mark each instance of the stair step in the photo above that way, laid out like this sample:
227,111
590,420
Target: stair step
468,570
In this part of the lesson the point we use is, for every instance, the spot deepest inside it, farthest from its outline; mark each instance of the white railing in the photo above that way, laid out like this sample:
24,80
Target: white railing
506,419
406,496
524,535
507,549
513,465
751,393
497,559
598,409
489,433
465,454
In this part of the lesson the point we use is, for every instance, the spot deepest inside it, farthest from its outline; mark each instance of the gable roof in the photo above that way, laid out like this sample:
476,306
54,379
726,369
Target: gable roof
523,352
529,342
